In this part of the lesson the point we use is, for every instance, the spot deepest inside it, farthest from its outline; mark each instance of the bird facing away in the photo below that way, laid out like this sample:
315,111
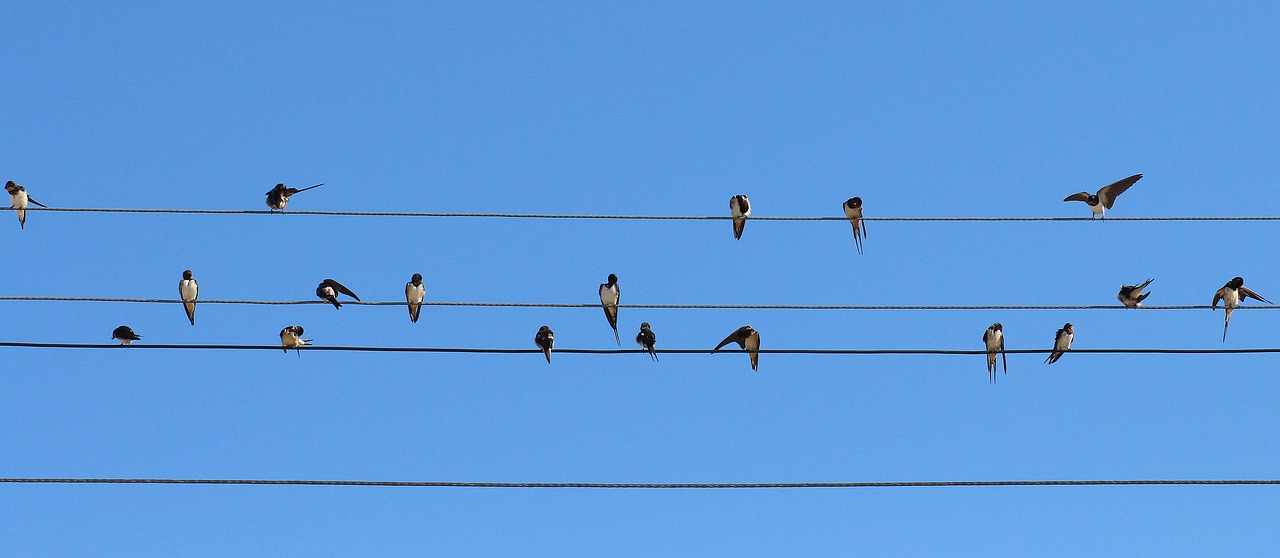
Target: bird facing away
1231,295
748,339
853,210
994,340
414,292
291,338
1100,202
741,209
1061,343
278,197
329,289
647,339
609,294
188,290
125,335
18,199
545,339
1132,296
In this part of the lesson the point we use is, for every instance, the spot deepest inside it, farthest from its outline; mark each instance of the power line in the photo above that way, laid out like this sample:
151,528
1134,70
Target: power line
624,217
648,306
467,350
651,486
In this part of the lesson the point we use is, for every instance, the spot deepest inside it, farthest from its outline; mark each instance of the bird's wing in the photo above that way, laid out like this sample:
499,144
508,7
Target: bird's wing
1246,293
338,287
1004,357
1108,194
1217,297
32,200
732,338
1082,196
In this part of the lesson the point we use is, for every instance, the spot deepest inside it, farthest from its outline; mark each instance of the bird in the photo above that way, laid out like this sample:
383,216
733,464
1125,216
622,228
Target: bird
994,339
747,338
1100,202
1132,296
741,209
18,199
188,290
647,339
414,292
545,339
329,289
1061,343
1231,295
609,301
291,338
853,210
125,335
278,197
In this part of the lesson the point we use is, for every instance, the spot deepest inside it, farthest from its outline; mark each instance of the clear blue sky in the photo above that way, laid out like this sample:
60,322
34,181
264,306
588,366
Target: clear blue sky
922,109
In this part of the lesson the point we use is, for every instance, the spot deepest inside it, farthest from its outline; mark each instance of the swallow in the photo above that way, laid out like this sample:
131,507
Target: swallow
188,290
994,339
329,289
414,292
741,209
609,301
746,338
1061,343
647,339
853,210
18,199
1231,295
1100,202
125,335
291,338
278,197
1132,296
545,339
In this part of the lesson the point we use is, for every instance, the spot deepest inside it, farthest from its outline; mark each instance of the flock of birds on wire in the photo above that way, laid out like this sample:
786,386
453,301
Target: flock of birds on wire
746,337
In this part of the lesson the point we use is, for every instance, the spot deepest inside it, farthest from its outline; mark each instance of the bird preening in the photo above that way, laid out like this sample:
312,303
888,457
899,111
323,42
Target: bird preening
647,340
748,339
278,197
1231,295
1132,296
291,338
18,200
125,335
740,209
328,291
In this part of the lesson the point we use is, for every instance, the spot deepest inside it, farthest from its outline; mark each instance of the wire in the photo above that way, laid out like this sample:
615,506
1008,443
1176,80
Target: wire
465,350
632,217
651,486
650,306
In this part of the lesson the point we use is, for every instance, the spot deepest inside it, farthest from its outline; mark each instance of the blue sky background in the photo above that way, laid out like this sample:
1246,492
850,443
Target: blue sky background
922,109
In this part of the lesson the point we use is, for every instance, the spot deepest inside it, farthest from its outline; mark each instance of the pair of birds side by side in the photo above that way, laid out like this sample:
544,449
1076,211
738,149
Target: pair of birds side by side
740,210
993,339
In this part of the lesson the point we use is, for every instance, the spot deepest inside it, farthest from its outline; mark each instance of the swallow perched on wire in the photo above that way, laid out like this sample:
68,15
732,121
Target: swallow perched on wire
188,290
278,197
1132,296
1231,295
748,339
647,339
1061,343
329,289
125,335
1100,202
414,292
994,340
741,209
609,294
291,338
853,210
545,340
18,199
